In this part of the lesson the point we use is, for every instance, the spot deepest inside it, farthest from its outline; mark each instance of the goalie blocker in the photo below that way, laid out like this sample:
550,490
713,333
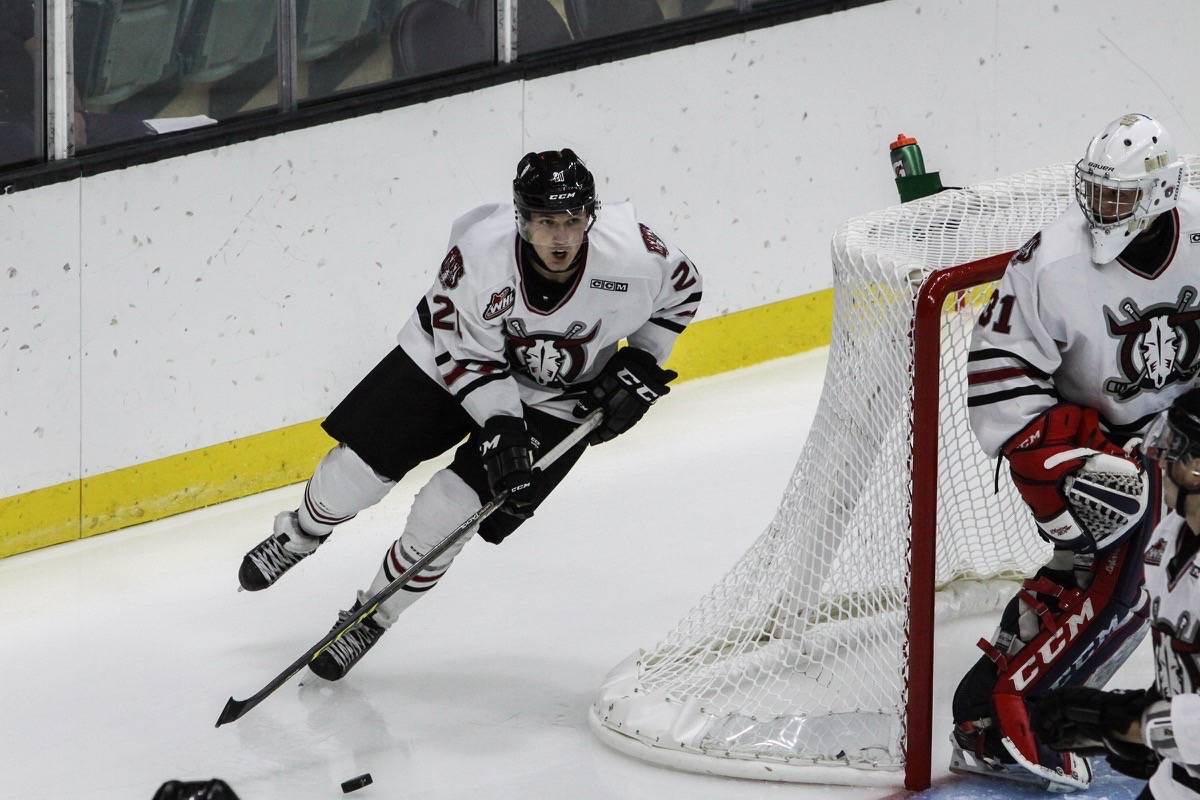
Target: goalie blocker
1078,619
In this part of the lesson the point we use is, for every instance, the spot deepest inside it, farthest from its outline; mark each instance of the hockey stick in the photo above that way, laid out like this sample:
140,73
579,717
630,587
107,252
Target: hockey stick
235,709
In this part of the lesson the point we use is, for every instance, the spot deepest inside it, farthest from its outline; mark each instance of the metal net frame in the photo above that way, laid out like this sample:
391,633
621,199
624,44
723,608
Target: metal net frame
812,659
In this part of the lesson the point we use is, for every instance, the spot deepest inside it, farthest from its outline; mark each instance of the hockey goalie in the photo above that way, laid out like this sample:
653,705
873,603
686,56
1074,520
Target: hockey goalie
1094,330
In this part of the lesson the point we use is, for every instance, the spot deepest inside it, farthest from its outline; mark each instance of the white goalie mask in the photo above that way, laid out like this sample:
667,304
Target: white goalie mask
1129,175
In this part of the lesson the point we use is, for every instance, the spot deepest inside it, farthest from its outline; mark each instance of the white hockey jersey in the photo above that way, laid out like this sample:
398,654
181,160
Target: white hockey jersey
1175,621
1061,328
476,333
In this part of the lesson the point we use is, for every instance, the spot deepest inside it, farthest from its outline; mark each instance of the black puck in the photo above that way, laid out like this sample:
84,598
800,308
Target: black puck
357,782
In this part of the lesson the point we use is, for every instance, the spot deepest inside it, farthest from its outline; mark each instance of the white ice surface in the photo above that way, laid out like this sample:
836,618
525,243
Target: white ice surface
120,651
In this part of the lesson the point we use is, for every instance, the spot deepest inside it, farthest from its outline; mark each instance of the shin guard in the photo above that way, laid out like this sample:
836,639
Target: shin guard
341,486
439,508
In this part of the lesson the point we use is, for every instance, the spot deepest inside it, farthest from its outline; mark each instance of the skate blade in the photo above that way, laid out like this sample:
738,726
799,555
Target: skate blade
964,763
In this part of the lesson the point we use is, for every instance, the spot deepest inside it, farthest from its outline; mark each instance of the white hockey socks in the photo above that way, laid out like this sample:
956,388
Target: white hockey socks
342,485
438,508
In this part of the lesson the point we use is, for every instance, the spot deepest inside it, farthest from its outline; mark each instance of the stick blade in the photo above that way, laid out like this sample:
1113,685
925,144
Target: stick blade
234,709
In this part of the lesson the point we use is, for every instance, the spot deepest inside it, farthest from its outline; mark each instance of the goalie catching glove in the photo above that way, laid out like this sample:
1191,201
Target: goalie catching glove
1094,722
626,387
1085,492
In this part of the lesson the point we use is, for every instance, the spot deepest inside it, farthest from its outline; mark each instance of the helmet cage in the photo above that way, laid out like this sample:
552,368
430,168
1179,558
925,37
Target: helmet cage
1109,202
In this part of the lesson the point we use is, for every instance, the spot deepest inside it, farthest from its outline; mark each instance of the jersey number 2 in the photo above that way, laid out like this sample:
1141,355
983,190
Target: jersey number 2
683,276
1006,309
442,317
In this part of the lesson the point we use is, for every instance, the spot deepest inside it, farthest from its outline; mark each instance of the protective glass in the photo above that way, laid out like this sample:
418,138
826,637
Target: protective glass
1106,201
554,229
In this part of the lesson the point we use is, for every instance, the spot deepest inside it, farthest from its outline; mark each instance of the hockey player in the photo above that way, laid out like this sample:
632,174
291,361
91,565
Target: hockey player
1093,331
514,343
1153,733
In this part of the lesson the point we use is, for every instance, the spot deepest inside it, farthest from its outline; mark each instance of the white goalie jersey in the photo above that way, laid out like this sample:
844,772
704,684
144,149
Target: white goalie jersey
1109,337
476,333
1174,586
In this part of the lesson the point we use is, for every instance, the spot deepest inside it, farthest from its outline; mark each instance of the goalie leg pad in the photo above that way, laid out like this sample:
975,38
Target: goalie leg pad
1064,628
440,507
341,486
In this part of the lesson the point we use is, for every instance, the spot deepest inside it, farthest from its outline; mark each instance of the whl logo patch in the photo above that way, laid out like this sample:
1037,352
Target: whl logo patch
501,301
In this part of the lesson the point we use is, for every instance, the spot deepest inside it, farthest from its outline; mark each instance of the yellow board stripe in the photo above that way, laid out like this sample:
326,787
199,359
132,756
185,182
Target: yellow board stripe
755,335
226,471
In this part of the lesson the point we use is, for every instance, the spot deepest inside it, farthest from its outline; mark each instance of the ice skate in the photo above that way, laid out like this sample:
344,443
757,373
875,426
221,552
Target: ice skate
346,651
275,555
978,749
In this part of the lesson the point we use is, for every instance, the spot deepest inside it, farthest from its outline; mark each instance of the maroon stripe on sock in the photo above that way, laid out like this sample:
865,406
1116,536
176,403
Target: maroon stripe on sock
318,515
398,565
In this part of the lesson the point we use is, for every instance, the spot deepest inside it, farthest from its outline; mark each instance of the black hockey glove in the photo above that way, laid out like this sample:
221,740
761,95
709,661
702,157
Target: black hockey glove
626,387
506,449
1087,721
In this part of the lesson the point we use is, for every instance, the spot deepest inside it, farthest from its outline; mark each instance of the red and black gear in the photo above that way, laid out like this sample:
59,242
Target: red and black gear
1074,623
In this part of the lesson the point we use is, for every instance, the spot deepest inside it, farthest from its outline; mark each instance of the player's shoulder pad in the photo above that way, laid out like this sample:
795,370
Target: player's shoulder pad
479,221
623,238
1189,213
1062,245
481,248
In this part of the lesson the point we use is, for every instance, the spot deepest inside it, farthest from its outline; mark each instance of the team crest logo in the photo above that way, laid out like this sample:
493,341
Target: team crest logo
652,242
452,269
1159,345
501,301
548,358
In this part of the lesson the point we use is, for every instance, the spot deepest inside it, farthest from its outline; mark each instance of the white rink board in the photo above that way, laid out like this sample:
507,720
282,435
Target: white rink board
304,252
320,258
39,338
755,147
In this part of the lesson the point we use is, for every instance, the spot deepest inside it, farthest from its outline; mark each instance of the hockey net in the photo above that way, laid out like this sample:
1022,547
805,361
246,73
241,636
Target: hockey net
811,660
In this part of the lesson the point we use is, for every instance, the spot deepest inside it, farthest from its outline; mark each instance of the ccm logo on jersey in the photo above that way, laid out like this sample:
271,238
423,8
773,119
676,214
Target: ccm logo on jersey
1066,633
609,286
1194,238
501,301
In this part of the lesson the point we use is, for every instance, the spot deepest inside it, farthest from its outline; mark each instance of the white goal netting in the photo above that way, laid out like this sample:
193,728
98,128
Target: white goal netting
793,667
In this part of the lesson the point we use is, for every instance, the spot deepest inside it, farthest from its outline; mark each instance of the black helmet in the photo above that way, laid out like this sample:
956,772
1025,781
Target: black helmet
554,180
1175,434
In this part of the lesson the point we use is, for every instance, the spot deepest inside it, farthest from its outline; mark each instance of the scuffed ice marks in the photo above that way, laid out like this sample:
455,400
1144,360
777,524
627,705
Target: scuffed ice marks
1106,785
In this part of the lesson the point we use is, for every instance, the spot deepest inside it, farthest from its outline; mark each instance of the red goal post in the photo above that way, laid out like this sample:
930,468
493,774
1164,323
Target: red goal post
935,292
